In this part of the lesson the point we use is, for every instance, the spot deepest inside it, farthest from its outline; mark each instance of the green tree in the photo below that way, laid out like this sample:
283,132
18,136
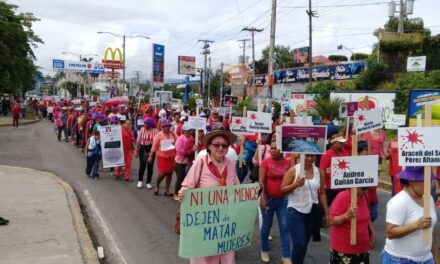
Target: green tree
359,56
410,25
337,58
322,89
16,55
376,73
283,59
328,107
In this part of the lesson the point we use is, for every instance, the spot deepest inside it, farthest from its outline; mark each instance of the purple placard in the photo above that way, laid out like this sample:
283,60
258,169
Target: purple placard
303,139
351,108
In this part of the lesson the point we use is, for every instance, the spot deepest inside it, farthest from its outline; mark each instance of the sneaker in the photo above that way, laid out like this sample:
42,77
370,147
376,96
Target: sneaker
176,198
148,186
286,261
270,238
139,184
265,257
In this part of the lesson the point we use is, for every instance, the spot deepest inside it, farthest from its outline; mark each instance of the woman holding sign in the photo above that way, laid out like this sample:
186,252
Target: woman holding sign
212,170
303,192
163,143
405,223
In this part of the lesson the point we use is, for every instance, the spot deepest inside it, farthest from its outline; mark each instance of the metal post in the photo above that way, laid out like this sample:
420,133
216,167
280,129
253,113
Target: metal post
310,13
400,28
123,69
272,46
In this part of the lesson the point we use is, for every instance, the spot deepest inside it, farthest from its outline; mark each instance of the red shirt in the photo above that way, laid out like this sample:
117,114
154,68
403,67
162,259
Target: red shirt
325,164
127,139
349,144
394,167
275,171
340,235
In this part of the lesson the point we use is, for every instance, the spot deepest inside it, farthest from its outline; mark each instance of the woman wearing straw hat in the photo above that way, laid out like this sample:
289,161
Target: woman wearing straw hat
405,223
164,144
211,170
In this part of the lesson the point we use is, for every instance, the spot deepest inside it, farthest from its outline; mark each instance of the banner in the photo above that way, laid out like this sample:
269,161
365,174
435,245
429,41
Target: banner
419,146
320,73
347,109
158,65
354,171
303,139
415,64
381,100
164,96
240,125
199,102
77,66
260,80
111,146
365,121
155,101
259,122
196,122
186,65
217,220
417,101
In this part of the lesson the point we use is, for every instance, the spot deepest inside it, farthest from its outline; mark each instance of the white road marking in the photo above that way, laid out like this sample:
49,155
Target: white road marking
106,230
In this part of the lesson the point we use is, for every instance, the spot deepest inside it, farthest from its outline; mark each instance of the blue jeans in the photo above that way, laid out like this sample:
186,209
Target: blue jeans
278,206
373,212
299,228
386,258
93,165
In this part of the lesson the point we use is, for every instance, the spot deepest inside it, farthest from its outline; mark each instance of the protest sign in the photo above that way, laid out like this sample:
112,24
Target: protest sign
111,146
196,122
260,122
199,102
354,171
230,100
395,121
303,139
369,120
155,101
419,146
347,109
239,126
217,220
104,97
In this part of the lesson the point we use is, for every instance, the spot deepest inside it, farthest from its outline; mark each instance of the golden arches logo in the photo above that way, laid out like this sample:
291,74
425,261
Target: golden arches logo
113,55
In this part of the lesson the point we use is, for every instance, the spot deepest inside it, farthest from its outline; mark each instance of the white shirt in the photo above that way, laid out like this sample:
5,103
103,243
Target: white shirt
403,210
163,114
232,155
183,114
303,197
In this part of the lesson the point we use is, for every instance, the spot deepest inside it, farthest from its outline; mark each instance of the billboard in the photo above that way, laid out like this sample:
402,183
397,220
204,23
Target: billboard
415,64
417,101
77,66
301,55
186,65
158,65
383,100
335,72
302,102
260,80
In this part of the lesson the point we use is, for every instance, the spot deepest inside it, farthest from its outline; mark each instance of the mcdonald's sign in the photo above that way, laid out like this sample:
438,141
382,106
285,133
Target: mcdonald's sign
112,63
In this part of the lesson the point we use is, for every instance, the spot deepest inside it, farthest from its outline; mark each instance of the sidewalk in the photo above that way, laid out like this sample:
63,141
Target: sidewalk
46,224
7,120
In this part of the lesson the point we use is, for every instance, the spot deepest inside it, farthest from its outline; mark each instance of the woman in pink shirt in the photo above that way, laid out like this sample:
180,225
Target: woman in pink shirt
211,170
164,144
185,148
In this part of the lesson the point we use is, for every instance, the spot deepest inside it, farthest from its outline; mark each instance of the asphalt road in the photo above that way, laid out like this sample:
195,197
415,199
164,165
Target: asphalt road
132,225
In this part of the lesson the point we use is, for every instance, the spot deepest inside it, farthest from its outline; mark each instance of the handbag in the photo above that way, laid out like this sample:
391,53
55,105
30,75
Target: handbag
177,224
315,219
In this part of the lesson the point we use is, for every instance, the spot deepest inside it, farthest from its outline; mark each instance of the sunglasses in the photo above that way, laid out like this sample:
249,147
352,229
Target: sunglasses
217,146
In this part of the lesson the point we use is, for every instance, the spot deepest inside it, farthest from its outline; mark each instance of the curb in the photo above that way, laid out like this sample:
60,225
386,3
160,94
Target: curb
22,124
88,251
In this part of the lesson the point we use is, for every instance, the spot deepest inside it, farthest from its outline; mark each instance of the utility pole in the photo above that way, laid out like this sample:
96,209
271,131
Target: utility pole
138,78
311,15
253,30
205,52
244,66
208,76
123,69
272,46
402,14
221,82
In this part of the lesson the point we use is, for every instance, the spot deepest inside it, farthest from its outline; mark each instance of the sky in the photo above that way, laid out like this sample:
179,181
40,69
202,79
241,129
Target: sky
68,26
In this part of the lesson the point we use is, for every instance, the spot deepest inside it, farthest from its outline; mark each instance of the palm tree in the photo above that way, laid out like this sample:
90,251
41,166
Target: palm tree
328,107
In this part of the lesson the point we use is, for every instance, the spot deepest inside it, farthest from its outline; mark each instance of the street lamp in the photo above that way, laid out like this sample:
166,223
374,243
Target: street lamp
340,47
123,52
